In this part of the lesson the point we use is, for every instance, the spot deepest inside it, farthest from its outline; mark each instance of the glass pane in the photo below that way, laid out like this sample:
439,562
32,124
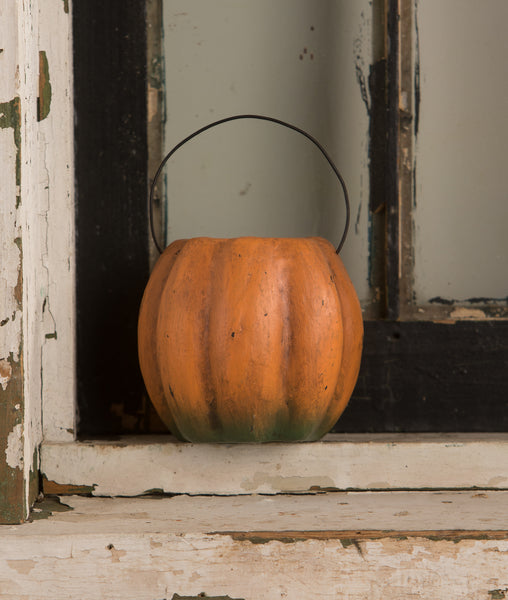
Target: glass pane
298,61
461,211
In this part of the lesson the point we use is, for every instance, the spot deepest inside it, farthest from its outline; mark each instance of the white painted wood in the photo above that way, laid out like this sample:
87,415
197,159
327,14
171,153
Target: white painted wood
20,304
31,236
57,259
10,227
133,466
334,511
37,228
140,550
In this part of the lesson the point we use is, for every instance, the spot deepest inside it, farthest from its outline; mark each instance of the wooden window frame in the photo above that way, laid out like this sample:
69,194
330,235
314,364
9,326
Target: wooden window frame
341,461
144,464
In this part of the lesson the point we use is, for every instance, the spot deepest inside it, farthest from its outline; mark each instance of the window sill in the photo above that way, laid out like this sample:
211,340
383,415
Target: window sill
134,466
353,544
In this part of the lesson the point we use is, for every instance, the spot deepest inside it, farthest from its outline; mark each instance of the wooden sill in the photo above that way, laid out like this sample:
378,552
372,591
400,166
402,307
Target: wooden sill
356,545
134,466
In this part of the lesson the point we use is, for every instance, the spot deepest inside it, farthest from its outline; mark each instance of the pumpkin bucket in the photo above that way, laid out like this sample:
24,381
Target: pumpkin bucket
250,339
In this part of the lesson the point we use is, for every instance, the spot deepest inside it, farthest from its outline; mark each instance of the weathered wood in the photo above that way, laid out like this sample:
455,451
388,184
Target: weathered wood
36,225
261,547
57,255
11,277
317,516
134,466
19,414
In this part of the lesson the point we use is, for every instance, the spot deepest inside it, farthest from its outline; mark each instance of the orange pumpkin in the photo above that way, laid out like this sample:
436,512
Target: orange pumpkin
250,339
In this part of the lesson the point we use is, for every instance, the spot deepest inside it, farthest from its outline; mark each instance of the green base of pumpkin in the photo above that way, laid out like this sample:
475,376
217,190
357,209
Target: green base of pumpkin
227,440
243,435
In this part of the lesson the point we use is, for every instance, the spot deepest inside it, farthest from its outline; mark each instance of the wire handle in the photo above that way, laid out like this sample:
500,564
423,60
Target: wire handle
261,118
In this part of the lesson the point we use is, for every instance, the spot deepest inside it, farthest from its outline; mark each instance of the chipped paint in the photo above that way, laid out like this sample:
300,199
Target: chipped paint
354,538
467,313
14,449
10,118
116,555
260,481
5,373
44,99
12,440
11,277
498,594
36,171
46,507
203,595
21,566
152,103
65,489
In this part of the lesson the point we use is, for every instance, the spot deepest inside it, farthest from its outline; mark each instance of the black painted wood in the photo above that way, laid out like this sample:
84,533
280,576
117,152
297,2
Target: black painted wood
393,258
422,376
111,183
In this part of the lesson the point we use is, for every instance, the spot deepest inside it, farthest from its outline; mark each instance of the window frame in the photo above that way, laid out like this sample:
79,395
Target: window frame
49,327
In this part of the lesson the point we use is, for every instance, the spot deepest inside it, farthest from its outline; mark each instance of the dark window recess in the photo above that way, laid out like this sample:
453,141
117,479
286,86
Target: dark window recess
419,376
111,183
415,376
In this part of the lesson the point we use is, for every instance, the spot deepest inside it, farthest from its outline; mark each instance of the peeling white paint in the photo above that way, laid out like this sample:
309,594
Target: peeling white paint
10,340
14,450
285,548
131,466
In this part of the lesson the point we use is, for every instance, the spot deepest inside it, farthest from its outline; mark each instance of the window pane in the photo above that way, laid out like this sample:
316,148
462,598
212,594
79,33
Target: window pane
461,199
295,60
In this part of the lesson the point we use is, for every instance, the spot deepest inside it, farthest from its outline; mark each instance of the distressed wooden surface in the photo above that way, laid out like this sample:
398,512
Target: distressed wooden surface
19,309
136,465
325,513
261,547
36,225
57,216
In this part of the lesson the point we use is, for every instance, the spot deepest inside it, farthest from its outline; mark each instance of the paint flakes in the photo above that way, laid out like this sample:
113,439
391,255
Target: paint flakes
153,103
5,373
497,594
468,313
261,481
116,555
22,566
44,99
14,450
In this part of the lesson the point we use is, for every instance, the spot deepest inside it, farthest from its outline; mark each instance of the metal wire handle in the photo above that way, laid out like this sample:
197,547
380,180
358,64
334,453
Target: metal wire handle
261,118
